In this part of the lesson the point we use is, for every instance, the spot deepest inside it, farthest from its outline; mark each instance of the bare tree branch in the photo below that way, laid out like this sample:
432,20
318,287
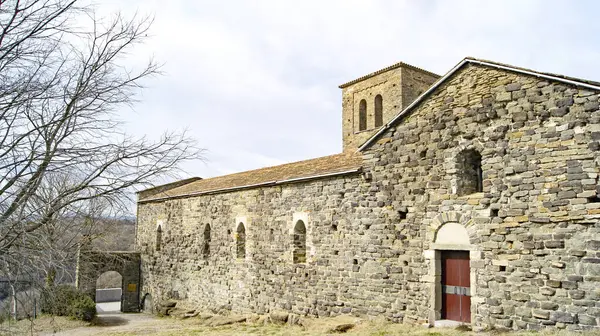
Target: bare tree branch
64,161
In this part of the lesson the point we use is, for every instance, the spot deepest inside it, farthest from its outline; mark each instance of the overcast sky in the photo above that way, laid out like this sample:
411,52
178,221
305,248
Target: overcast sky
256,82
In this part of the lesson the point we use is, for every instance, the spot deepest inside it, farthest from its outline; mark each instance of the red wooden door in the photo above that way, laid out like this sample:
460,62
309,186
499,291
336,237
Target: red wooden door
456,286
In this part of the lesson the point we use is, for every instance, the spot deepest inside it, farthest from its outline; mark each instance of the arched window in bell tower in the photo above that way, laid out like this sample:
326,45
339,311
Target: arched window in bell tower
362,115
378,110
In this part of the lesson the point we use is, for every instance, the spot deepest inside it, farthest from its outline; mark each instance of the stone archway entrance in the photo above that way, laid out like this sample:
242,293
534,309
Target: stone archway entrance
451,277
92,264
109,289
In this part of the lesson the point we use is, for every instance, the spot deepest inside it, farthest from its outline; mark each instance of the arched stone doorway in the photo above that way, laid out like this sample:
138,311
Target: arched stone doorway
109,289
92,264
451,277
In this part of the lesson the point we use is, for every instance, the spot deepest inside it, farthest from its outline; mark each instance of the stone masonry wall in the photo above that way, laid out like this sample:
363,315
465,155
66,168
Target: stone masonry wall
352,264
414,82
534,230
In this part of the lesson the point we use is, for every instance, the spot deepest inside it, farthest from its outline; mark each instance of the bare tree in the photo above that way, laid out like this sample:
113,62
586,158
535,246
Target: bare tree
62,152
50,251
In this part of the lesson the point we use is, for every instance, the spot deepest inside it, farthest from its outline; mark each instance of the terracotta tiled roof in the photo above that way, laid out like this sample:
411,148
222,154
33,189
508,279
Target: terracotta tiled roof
146,193
285,173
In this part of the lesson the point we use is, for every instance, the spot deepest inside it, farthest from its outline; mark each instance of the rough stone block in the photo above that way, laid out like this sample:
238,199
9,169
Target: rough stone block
518,296
587,320
547,305
553,244
562,317
541,314
553,283
503,96
513,87
569,284
559,111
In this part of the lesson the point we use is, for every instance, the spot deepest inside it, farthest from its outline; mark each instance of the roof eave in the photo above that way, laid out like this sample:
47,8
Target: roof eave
386,69
184,181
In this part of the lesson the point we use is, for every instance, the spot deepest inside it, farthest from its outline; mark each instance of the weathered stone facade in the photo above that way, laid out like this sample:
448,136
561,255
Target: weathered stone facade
374,237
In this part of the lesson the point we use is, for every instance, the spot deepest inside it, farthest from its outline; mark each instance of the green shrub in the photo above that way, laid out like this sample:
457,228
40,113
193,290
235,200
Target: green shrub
83,308
66,300
56,300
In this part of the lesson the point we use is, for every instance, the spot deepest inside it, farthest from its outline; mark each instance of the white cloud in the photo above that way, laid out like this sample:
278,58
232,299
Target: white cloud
256,81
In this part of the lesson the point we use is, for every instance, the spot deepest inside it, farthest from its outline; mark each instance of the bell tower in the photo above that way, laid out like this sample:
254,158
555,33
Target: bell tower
372,100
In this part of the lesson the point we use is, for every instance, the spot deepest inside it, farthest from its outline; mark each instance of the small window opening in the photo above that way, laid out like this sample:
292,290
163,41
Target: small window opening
354,261
378,110
336,252
470,174
423,154
594,199
299,252
502,268
402,214
271,234
334,227
367,226
362,115
206,242
240,241
158,238
494,212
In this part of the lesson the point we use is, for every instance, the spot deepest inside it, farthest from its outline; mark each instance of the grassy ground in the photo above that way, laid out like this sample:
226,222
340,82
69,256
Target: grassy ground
193,327
324,328
43,324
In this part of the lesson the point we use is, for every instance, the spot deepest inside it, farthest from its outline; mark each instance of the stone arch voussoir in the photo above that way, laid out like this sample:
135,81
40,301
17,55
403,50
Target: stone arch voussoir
461,218
471,144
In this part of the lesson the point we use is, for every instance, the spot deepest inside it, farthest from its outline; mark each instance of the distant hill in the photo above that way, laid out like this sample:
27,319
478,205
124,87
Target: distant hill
115,235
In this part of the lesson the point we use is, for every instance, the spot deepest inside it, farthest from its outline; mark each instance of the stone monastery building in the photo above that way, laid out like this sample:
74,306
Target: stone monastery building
470,197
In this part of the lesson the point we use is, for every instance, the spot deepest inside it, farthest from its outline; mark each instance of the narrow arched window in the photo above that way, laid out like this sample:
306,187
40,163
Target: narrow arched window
470,173
299,237
240,241
206,241
158,238
378,110
362,115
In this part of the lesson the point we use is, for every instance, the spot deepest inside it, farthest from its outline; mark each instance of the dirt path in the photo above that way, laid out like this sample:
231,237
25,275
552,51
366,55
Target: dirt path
118,322
142,324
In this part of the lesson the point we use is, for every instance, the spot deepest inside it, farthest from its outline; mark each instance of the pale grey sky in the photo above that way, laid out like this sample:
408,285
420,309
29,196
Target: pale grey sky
255,82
